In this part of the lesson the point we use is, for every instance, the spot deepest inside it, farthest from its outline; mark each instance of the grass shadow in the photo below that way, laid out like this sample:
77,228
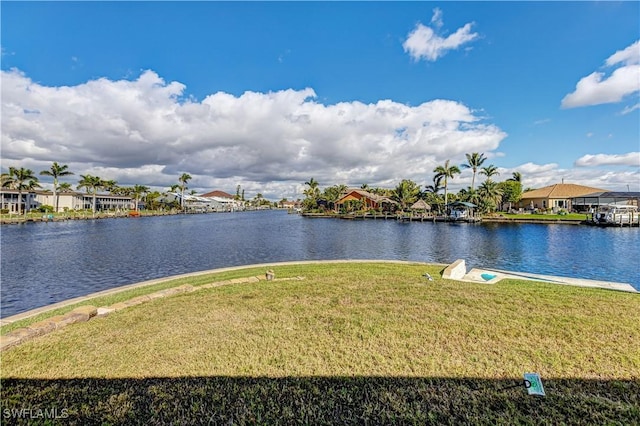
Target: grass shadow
316,400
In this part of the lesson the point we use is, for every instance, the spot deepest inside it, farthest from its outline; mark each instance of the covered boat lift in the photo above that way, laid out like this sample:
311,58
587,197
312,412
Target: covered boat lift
591,202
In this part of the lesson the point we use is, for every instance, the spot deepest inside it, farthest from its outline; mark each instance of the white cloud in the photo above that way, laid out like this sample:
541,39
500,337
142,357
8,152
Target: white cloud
436,19
541,175
425,43
143,132
629,109
589,160
628,56
597,88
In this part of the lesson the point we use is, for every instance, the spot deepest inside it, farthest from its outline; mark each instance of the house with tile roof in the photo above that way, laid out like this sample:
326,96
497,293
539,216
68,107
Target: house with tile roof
218,194
369,200
555,197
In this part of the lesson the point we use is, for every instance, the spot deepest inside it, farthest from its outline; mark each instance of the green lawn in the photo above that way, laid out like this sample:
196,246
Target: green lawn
351,343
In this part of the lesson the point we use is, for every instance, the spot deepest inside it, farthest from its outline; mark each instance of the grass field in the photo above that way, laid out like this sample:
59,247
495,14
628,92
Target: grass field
351,343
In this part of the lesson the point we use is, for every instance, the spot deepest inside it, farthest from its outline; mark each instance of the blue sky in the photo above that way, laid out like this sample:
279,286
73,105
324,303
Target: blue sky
268,95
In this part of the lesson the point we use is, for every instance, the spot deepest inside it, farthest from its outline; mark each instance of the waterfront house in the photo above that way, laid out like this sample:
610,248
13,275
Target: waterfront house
368,200
555,197
219,194
290,205
10,198
67,201
223,201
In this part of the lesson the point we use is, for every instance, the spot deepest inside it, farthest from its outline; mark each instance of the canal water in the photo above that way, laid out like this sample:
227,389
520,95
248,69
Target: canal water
44,263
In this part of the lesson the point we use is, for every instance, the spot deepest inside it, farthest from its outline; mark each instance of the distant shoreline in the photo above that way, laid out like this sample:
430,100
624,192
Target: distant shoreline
431,218
14,220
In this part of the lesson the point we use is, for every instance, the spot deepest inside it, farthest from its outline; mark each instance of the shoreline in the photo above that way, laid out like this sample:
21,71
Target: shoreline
45,218
467,277
473,220
43,309
99,216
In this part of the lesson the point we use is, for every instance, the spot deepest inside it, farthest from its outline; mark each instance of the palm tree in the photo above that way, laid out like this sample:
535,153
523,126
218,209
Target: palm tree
406,193
183,179
436,187
446,172
138,192
489,171
65,187
333,194
490,193
474,162
56,171
312,183
430,193
92,184
151,200
19,179
516,177
313,192
110,186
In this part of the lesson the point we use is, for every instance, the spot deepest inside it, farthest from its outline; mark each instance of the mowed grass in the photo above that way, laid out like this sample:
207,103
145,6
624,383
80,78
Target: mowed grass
421,351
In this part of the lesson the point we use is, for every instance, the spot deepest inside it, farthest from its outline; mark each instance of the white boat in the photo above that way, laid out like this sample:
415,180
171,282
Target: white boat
460,210
616,214
458,214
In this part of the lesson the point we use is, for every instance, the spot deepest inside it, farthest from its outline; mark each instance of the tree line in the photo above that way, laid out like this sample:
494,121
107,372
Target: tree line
488,197
23,179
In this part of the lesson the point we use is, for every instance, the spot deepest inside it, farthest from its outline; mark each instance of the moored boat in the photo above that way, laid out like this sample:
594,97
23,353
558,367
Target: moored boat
616,214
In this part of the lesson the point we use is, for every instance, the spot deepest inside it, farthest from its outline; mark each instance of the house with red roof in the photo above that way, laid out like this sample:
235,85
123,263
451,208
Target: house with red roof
218,194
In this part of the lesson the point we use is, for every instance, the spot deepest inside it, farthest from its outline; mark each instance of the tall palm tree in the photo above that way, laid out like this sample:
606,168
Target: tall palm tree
474,162
19,179
446,172
56,171
91,184
138,192
313,191
489,171
183,179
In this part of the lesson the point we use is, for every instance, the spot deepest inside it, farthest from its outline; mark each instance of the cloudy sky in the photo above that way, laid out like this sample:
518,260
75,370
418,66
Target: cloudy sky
268,95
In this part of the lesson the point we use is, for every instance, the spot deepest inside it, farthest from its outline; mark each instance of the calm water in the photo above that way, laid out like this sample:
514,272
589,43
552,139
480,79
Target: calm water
43,263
